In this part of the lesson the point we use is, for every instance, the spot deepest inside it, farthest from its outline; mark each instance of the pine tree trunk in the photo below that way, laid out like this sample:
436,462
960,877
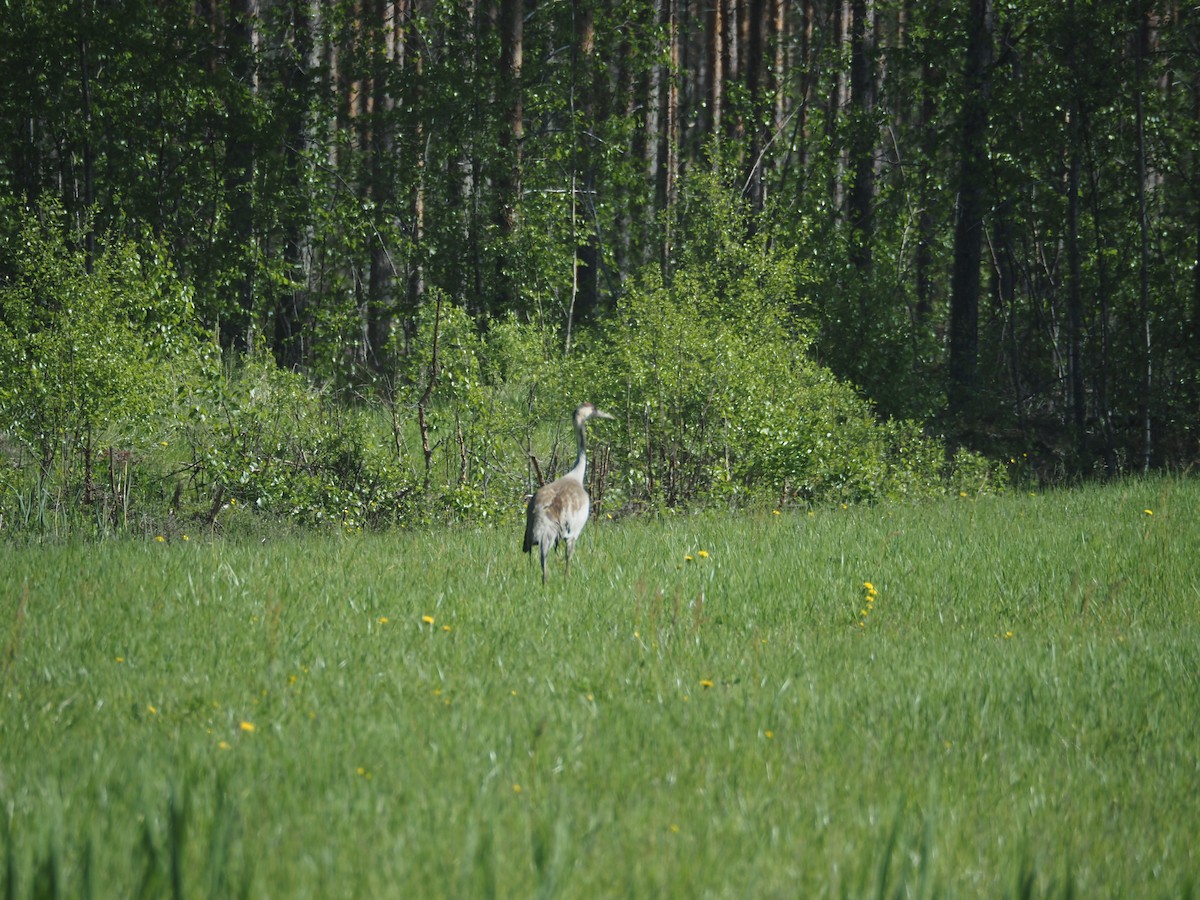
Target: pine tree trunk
971,208
863,139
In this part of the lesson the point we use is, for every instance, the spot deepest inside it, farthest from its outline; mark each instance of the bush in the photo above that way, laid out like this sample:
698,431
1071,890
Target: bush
91,359
265,439
724,401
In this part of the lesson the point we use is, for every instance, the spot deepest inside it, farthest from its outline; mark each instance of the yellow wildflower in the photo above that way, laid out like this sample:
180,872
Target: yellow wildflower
247,726
705,683
703,554
428,620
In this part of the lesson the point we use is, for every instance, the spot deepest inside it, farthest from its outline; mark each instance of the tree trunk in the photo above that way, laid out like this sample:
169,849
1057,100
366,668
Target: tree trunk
971,208
1147,374
1195,337
381,309
1077,418
512,133
671,137
716,70
838,101
89,164
586,267
237,323
862,135
926,228
757,83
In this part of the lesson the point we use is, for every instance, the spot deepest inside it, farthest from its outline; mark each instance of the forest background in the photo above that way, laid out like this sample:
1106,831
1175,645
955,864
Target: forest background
353,262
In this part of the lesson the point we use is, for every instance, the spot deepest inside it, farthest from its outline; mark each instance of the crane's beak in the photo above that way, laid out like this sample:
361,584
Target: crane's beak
601,414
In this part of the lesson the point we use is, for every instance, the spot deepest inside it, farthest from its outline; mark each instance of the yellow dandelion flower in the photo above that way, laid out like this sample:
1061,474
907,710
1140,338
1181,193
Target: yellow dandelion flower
383,620
705,683
446,628
703,554
120,659
247,726
153,710
689,558
1148,512
870,588
186,538
775,512
428,620
160,539
516,788
223,745
769,734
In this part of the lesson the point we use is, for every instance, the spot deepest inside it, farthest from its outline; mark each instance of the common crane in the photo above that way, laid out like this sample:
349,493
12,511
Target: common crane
559,509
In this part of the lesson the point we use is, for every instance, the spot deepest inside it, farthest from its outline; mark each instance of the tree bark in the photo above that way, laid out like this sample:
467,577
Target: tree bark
863,136
237,323
971,208
1147,375
1075,398
586,266
512,133
381,150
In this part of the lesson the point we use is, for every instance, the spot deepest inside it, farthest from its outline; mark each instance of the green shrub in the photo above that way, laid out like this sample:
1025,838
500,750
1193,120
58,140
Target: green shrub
266,439
724,402
92,358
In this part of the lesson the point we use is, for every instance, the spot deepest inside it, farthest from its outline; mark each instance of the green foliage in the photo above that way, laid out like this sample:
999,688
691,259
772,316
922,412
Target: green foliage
92,357
713,370
265,439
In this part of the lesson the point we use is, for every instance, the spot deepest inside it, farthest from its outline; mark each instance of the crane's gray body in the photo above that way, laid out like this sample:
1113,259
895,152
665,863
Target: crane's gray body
560,508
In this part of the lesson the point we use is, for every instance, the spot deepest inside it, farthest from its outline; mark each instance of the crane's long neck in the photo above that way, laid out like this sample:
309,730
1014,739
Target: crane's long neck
580,467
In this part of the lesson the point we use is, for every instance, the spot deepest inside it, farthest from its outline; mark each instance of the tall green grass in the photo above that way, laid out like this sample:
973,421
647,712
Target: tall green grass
1014,713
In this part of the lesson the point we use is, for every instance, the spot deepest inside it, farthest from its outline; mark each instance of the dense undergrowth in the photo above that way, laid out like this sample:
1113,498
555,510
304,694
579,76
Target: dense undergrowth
117,411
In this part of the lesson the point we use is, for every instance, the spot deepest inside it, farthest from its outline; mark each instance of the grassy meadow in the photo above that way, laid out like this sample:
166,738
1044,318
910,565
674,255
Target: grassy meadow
978,697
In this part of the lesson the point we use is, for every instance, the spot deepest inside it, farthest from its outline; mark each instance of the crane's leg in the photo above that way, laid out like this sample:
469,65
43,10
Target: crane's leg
570,550
544,550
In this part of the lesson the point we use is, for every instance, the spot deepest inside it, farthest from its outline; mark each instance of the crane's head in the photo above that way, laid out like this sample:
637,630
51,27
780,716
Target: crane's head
586,411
